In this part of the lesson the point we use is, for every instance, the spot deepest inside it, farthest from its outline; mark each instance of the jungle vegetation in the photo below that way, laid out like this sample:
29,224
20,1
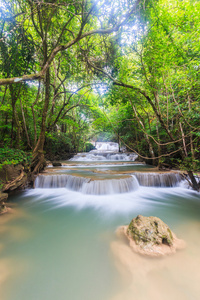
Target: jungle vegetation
72,71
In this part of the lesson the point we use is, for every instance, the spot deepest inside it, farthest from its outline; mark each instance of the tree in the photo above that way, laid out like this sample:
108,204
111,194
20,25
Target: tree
77,21
161,68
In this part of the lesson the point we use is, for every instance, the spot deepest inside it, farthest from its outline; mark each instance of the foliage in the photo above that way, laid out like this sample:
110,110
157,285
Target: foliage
89,147
138,84
58,143
10,156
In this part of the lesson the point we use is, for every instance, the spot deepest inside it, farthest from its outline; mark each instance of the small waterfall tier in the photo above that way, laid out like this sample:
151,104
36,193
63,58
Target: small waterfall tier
70,182
86,185
107,146
111,186
104,156
158,180
105,151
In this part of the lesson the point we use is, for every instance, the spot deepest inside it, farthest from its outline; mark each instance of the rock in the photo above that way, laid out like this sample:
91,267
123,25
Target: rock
18,182
3,197
10,172
12,177
56,164
149,230
151,236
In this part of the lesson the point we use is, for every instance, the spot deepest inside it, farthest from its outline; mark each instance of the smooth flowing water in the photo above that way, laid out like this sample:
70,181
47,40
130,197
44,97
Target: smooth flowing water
60,242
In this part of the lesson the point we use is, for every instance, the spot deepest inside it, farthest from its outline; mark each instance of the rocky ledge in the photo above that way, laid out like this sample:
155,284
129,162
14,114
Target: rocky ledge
12,177
3,198
151,236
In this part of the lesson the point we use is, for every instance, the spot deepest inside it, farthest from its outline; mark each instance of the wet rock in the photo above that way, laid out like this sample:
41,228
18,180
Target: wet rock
149,230
3,197
56,164
151,236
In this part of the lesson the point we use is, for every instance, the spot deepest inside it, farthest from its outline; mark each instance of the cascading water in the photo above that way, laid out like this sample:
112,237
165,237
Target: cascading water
64,233
158,180
73,183
86,186
111,186
105,152
107,146
104,157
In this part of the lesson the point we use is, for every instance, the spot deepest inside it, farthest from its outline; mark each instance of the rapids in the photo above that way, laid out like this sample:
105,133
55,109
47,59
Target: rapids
60,241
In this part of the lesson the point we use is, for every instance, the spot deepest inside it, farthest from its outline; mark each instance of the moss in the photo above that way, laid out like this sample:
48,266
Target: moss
170,233
152,230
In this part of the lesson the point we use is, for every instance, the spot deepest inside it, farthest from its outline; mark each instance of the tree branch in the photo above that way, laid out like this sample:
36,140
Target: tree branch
66,46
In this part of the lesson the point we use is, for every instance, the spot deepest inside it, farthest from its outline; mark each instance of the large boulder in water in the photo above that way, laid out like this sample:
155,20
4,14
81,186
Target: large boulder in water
149,230
151,236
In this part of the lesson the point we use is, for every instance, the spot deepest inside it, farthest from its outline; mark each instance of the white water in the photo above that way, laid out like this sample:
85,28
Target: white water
107,146
62,244
105,151
111,186
86,186
104,157
158,180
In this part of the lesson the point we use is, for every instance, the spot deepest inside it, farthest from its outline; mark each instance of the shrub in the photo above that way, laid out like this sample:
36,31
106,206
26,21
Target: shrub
10,156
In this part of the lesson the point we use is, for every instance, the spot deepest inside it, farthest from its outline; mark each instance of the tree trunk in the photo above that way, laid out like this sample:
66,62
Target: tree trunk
38,162
159,147
195,185
15,119
25,127
151,151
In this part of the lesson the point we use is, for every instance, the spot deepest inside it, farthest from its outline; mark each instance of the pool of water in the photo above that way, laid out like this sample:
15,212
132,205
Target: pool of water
62,244
100,171
58,244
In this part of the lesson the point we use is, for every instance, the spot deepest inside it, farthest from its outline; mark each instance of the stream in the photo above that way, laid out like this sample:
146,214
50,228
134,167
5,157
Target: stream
60,242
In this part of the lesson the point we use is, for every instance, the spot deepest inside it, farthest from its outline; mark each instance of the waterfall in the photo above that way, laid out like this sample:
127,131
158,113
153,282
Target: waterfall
106,151
86,185
111,186
122,156
158,180
108,186
104,156
107,146
74,183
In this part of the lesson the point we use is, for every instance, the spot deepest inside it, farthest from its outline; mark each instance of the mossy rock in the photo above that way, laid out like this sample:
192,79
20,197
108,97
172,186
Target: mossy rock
151,231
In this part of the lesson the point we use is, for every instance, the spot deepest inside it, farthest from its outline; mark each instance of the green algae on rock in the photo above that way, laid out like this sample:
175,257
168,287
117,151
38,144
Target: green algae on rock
145,230
151,236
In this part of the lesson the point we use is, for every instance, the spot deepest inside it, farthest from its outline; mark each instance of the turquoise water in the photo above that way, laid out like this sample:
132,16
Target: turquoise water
57,245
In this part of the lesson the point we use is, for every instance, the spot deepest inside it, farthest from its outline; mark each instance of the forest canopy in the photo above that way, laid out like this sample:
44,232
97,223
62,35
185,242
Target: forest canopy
72,72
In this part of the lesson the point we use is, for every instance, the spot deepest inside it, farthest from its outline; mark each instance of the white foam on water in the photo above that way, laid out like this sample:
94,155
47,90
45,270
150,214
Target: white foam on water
110,203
